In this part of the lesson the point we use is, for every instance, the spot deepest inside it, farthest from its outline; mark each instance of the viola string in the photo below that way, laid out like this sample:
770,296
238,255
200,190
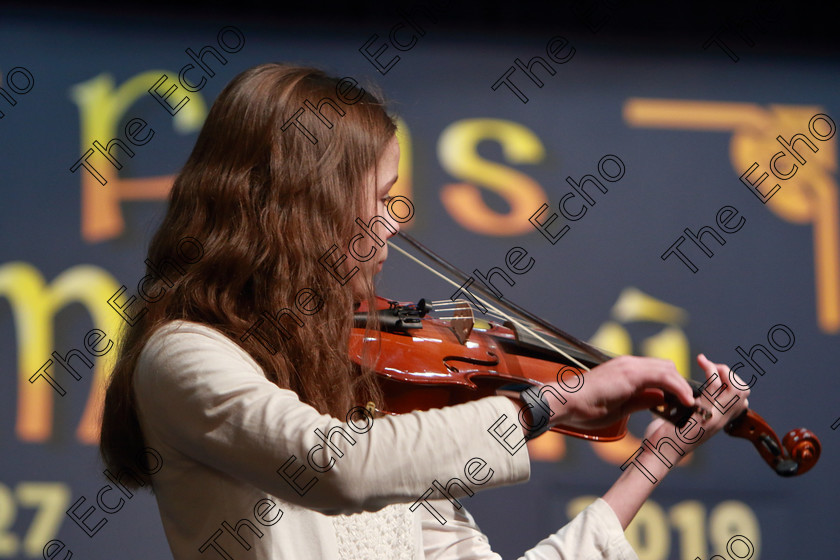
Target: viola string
490,306
448,304
596,354
461,304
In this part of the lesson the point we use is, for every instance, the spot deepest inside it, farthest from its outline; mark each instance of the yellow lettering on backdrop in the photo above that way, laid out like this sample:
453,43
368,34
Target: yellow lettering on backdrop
549,447
670,343
34,305
101,109
810,197
403,186
458,155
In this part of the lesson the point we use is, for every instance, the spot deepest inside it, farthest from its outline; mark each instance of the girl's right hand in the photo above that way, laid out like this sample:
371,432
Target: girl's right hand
616,389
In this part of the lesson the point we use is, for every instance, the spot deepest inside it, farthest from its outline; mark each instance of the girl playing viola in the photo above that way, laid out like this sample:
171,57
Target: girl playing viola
265,450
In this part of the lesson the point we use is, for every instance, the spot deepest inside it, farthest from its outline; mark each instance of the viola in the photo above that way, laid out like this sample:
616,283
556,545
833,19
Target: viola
436,354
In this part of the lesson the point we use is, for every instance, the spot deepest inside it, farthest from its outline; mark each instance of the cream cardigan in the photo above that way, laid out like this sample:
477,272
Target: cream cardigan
244,473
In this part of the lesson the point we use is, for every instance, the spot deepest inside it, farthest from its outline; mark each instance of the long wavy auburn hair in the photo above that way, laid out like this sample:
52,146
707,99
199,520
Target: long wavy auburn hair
265,204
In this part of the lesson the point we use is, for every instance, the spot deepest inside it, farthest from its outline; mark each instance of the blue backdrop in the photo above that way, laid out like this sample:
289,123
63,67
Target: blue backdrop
685,122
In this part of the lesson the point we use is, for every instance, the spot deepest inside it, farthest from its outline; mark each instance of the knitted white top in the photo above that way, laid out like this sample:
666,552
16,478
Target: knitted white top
249,471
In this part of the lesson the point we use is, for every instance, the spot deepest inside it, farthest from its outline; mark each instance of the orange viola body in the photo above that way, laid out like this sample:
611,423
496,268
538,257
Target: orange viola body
426,362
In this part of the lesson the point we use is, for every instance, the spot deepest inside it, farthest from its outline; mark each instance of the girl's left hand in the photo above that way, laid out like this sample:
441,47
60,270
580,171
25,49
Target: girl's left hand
700,430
